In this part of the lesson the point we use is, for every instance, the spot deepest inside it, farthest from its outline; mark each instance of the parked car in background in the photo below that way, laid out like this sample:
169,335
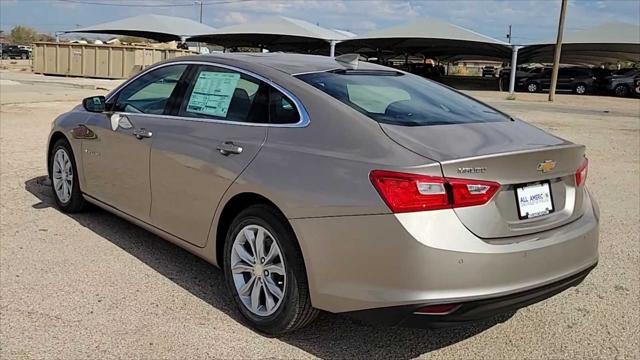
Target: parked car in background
620,82
326,184
575,79
521,72
489,70
15,52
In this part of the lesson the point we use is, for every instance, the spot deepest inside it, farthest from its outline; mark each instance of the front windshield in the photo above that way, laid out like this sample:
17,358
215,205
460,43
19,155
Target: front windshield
401,99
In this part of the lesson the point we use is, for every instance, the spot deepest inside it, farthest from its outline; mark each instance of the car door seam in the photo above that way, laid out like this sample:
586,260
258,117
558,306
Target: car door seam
215,213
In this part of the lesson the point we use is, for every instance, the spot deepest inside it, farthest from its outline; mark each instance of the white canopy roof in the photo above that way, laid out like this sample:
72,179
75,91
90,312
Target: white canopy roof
275,33
607,43
432,38
151,26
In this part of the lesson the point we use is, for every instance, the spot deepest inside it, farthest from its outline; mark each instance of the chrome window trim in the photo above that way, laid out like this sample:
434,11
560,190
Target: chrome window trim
302,112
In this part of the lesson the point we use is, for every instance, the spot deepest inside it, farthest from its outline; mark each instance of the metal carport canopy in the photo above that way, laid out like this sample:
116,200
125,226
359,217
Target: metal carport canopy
607,43
275,34
431,38
156,27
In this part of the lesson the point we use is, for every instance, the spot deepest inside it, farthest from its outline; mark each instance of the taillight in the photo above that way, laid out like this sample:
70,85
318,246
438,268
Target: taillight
404,192
581,174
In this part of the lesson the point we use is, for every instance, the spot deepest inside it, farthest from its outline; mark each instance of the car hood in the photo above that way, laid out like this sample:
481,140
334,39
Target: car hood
449,142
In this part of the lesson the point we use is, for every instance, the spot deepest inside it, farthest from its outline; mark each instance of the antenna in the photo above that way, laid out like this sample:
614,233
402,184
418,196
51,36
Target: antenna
350,61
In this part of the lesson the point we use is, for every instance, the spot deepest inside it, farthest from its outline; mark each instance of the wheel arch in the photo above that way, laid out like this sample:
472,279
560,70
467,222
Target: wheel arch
55,136
232,208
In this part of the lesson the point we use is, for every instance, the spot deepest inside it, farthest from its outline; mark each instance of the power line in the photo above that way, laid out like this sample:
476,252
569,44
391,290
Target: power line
79,2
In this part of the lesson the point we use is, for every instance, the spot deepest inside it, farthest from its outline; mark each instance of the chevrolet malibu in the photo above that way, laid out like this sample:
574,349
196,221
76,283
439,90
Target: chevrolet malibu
326,184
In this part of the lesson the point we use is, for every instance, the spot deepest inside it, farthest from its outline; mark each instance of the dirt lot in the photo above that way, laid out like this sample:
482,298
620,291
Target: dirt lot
94,286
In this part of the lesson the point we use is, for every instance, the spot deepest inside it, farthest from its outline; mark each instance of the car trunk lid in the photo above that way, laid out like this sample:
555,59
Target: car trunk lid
513,154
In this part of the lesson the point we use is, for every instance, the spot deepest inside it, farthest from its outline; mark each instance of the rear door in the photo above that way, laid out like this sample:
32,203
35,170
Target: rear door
566,78
217,127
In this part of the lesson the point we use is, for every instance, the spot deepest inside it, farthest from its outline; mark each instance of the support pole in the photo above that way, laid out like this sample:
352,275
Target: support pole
514,68
332,48
201,5
556,53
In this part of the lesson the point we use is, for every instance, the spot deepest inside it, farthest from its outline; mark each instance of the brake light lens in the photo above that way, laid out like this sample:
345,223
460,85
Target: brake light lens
581,174
404,192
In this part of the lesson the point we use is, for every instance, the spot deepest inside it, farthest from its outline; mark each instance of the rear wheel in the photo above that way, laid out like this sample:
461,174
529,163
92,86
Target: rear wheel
580,89
533,87
621,90
265,272
64,178
23,56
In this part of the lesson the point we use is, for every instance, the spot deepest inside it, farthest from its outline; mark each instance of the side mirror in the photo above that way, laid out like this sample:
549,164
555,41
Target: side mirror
96,104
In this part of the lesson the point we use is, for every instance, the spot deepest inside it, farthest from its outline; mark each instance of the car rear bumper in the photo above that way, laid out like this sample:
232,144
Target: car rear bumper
368,262
467,312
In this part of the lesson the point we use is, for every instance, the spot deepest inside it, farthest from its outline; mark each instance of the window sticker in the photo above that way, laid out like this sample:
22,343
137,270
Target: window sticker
212,93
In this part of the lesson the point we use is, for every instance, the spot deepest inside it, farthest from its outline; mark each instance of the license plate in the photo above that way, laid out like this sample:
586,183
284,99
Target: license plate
534,200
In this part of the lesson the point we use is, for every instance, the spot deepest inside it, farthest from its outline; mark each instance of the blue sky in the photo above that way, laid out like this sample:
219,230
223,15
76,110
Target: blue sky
532,20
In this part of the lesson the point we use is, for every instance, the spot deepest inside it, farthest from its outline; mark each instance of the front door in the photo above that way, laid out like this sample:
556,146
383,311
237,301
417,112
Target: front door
116,160
198,154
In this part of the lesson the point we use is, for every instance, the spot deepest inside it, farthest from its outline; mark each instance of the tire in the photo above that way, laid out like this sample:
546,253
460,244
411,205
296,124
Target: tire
621,90
293,310
533,87
23,56
580,89
74,202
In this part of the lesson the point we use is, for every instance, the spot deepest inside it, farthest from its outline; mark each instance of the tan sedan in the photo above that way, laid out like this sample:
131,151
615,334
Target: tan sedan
328,184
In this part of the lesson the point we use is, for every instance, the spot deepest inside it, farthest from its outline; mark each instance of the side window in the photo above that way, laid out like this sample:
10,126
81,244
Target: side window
281,109
223,94
149,93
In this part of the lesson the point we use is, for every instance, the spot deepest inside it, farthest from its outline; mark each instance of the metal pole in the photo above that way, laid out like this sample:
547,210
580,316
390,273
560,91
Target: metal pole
201,3
556,53
514,68
332,48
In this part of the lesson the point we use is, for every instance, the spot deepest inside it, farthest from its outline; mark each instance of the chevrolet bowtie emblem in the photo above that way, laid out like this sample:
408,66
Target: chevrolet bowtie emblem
546,166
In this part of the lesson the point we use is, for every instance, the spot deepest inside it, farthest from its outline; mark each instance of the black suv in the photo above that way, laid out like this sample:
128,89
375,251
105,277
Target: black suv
15,52
575,79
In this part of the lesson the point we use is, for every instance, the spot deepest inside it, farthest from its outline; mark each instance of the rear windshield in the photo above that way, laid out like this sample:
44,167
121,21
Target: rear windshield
401,99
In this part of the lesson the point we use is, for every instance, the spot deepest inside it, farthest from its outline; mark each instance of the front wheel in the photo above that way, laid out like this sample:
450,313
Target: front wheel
581,89
265,272
533,87
64,178
621,90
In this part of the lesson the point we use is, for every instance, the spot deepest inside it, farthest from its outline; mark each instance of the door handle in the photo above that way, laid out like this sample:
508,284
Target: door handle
228,148
142,133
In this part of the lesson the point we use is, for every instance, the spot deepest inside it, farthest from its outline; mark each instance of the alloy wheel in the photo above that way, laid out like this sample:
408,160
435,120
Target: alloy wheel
258,270
62,173
581,89
533,87
621,90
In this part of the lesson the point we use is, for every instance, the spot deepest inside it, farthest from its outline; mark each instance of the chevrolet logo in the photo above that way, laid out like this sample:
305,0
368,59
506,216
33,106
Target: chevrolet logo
546,166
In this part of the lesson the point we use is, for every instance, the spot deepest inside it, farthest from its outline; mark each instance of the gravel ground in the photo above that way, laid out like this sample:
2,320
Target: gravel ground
94,286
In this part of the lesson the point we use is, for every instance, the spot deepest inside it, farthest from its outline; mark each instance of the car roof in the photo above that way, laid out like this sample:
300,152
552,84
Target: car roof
288,63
